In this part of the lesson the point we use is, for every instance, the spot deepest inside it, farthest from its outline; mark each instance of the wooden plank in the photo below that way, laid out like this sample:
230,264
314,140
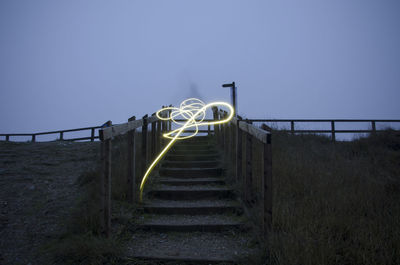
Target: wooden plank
131,176
152,119
267,184
144,145
239,151
254,131
105,188
120,129
248,184
333,131
92,135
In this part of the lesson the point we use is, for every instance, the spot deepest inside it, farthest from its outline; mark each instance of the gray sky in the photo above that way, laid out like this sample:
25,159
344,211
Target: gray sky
68,64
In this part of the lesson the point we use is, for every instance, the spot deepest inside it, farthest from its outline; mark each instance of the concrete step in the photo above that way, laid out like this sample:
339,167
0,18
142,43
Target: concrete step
192,207
189,164
190,223
191,157
191,181
184,147
192,152
187,193
191,172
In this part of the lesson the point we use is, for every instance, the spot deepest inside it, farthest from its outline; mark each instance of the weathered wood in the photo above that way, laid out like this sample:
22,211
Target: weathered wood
239,151
92,134
120,129
267,184
254,131
61,136
105,188
153,137
144,144
131,176
249,169
7,138
216,126
33,137
333,131
292,126
373,127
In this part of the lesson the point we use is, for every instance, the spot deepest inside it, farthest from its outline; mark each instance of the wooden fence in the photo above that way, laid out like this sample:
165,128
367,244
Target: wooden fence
151,144
247,151
92,136
332,131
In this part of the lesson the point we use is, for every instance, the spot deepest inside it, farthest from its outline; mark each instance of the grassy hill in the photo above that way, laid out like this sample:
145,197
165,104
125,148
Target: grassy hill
334,203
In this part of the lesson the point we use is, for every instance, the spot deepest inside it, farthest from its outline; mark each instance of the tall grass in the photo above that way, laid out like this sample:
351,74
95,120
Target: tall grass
336,203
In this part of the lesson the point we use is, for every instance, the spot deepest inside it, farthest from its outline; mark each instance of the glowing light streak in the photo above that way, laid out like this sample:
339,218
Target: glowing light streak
193,111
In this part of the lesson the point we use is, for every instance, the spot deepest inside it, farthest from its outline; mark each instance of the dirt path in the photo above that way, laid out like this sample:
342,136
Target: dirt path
36,193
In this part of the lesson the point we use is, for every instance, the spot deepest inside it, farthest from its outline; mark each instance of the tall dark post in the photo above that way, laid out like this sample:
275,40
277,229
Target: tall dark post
233,95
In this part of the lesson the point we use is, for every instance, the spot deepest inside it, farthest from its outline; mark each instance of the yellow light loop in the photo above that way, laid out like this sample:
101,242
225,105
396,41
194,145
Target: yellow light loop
192,110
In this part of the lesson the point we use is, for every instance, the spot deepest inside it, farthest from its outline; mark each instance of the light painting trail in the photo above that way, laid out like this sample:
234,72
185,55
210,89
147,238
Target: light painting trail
193,111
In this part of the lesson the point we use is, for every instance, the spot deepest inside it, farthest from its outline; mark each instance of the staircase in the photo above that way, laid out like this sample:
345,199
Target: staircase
190,216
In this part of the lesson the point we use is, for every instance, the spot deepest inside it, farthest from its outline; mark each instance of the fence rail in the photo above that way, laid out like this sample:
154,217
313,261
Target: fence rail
92,136
333,122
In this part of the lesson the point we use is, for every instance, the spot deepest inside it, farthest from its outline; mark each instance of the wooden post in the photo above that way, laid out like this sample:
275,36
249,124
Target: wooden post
333,131
105,188
209,130
131,176
61,136
239,151
7,138
153,138
33,137
216,127
92,135
144,145
373,127
249,170
267,183
292,127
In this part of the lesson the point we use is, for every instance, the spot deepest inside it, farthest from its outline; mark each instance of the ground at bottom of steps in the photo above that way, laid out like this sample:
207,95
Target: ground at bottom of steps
229,246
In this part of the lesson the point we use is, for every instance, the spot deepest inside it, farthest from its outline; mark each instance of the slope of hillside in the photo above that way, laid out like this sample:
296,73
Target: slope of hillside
37,192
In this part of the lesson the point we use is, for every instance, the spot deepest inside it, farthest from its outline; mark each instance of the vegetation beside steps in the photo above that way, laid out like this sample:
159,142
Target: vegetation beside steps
334,203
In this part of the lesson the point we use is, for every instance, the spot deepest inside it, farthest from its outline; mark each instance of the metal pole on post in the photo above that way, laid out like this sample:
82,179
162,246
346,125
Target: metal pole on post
233,95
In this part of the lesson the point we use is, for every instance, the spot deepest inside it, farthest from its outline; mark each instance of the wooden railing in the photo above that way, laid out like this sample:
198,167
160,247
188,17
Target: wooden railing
248,157
92,136
332,131
151,144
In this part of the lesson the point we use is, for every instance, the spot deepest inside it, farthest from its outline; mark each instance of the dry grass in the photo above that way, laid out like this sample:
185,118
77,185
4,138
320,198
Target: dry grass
336,203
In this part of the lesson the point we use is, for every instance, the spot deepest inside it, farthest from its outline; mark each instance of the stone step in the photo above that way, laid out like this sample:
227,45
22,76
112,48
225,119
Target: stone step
191,181
189,164
184,147
188,193
192,152
191,157
193,248
191,172
192,207
190,223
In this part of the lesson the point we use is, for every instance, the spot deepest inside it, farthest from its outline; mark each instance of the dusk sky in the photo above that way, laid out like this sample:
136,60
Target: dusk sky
69,64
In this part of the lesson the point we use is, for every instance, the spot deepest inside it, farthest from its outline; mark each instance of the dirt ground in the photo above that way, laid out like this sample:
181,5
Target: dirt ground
37,191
